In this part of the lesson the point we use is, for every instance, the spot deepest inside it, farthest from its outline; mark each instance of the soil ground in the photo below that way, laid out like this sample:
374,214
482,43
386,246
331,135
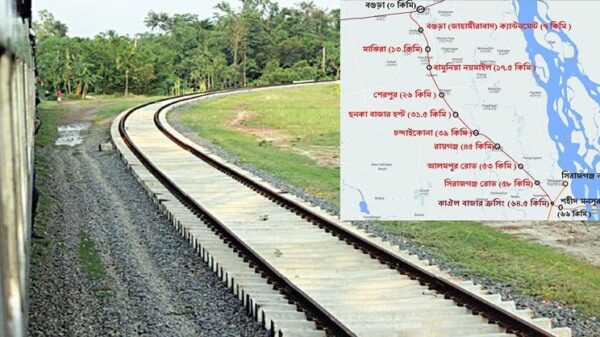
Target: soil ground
80,112
323,155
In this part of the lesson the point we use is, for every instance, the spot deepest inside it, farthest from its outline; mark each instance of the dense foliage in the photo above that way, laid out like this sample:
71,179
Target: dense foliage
258,43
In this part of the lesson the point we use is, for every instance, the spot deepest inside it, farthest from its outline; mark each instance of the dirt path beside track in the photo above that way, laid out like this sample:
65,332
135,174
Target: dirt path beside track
111,264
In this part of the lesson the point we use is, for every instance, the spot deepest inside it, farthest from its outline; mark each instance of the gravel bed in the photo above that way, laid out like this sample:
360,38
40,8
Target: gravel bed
153,285
560,314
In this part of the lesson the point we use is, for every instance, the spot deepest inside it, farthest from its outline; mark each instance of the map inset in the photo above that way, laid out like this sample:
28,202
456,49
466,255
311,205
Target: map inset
470,110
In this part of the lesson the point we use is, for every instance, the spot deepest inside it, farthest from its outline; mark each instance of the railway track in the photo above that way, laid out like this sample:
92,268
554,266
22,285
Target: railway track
298,270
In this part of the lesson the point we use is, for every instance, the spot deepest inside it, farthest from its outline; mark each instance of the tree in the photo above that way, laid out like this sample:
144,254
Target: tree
84,76
48,26
50,61
126,62
236,29
145,76
67,70
291,51
257,43
158,20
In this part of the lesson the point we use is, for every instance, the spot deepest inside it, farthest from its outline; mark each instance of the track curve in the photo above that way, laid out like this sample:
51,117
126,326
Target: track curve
344,281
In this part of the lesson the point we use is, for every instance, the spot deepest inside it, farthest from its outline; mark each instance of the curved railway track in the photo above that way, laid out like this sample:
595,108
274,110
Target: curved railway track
297,269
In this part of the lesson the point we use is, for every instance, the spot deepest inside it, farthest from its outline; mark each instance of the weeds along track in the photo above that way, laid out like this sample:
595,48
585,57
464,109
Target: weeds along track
297,269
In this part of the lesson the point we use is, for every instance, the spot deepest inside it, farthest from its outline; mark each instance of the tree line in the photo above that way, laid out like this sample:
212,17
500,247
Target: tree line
258,43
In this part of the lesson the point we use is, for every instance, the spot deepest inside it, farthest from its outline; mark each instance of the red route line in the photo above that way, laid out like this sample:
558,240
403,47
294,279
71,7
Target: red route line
390,14
462,121
554,201
446,101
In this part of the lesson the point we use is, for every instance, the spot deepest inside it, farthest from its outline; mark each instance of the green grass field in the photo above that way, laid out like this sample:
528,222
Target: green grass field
308,118
116,105
303,118
53,113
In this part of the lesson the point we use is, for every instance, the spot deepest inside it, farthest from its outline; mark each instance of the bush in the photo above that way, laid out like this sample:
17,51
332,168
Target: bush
301,70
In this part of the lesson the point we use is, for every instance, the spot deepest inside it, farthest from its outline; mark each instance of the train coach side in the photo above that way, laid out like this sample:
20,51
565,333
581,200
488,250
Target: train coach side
17,114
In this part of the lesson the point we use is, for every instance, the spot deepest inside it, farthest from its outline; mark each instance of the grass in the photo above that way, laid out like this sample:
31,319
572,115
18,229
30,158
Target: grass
531,268
116,105
51,114
39,248
89,258
311,114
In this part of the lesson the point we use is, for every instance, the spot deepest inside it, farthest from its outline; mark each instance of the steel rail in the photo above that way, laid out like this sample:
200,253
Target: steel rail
312,308
494,313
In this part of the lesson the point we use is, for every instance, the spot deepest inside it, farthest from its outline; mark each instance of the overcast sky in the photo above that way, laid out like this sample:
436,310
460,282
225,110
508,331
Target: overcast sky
88,17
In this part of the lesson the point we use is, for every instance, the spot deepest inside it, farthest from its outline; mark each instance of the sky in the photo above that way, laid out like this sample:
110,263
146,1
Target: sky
86,18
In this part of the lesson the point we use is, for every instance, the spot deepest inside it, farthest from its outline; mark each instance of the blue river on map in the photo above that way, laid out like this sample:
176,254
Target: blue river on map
558,72
364,208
